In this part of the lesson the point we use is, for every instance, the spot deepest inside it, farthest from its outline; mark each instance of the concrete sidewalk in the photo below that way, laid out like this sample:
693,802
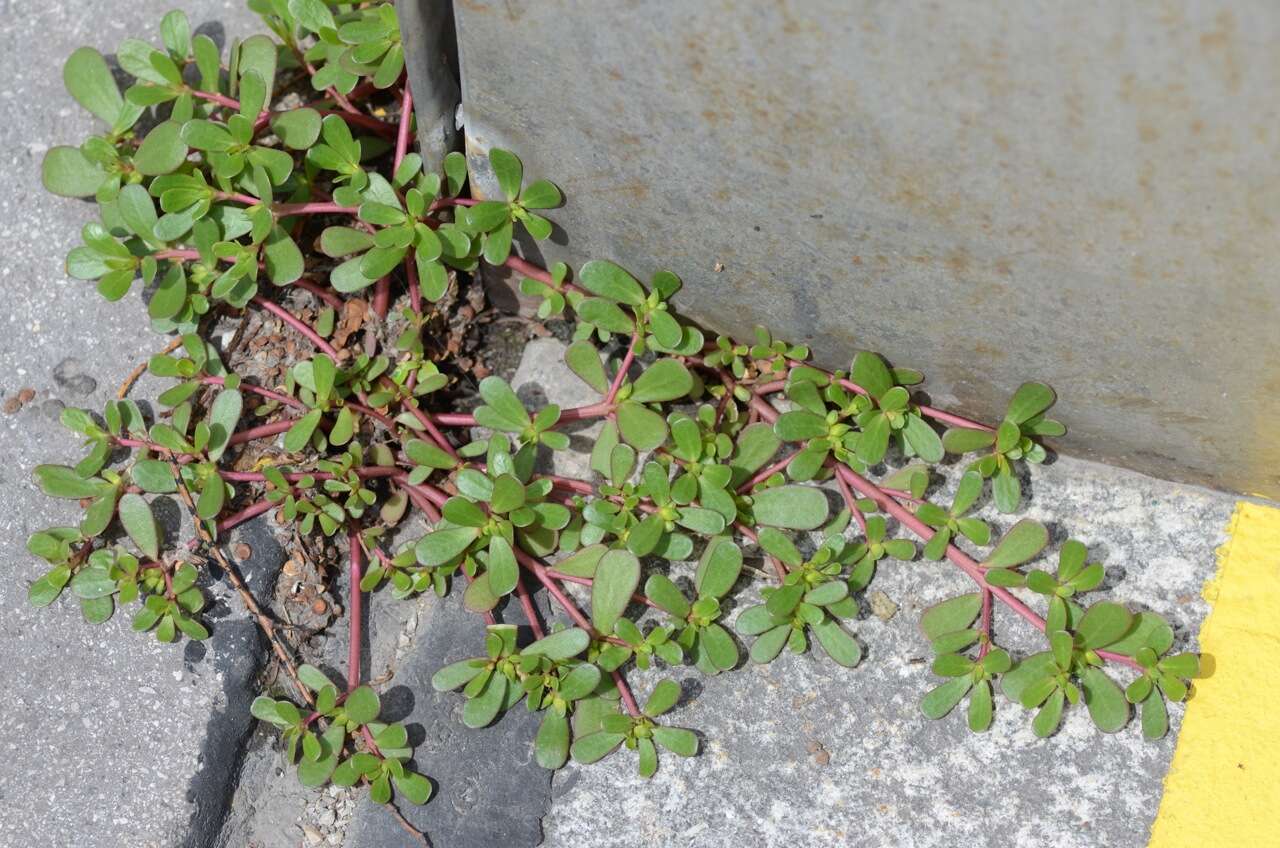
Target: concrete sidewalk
103,731
803,752
108,738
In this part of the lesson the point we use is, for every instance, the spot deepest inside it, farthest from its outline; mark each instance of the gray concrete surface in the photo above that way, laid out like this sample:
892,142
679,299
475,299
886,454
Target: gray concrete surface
802,752
1084,193
103,731
105,735
432,67
269,807
488,789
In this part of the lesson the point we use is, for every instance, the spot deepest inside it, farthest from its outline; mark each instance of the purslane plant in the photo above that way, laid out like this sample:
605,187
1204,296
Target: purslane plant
710,452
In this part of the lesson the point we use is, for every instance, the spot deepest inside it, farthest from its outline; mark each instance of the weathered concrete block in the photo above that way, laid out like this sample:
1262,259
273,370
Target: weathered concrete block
1082,193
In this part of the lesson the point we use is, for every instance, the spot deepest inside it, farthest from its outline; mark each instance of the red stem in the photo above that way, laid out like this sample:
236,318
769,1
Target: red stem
565,602
297,323
180,255
957,556
215,97
628,699
421,501
406,118
321,292
927,411
415,295
430,426
587,581
852,503
576,413
381,302
249,512
761,476
360,119
262,431
618,378
526,602
258,390
282,210
901,495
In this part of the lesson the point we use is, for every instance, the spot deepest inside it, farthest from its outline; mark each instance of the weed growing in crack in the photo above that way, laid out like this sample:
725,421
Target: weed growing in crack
268,179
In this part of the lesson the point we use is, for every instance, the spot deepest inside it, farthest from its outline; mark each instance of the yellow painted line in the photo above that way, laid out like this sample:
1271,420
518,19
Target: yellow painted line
1223,788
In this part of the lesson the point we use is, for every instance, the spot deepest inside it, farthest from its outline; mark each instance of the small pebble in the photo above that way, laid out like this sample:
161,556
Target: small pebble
313,836
882,606
319,607
242,551
21,399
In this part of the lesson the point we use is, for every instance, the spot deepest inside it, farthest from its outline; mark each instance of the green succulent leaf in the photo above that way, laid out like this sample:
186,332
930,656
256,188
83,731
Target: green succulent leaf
67,172
792,507
616,577
611,281
950,615
1023,542
139,522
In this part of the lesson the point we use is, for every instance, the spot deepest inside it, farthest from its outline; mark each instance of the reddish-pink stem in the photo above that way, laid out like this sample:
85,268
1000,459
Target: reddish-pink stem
533,272
556,592
446,202
566,603
297,324
406,119
262,431
957,556
927,411
432,430
576,413
770,388
178,254
582,487
249,512
526,603
415,295
360,119
321,292
621,376
587,581
628,699
215,97
420,500
901,495
258,390
381,302
766,473
372,413
852,503
238,197
283,210
953,419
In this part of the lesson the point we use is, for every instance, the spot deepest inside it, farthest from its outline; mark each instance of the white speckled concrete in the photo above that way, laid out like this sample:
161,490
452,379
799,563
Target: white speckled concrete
894,778
101,729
